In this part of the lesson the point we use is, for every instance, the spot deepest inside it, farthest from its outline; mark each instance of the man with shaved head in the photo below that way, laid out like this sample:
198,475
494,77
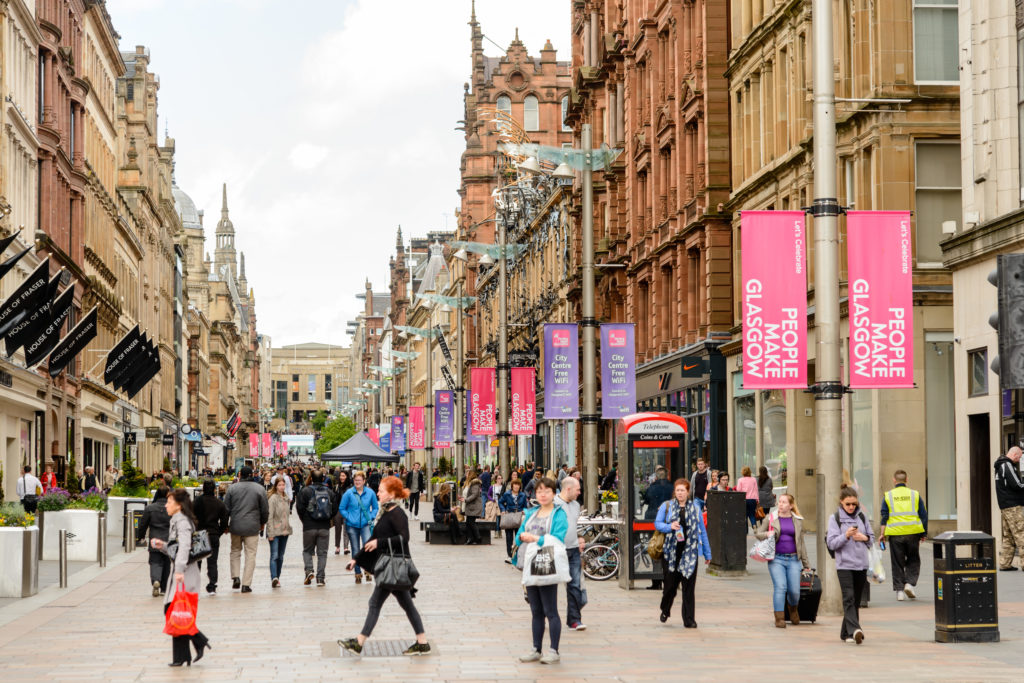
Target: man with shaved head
573,547
1010,497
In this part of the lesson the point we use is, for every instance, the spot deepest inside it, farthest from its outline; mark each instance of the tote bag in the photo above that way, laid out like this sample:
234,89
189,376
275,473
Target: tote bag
181,617
546,566
395,571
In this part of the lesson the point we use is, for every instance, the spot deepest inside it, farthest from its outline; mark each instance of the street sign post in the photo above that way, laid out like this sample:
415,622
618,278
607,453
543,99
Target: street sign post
445,351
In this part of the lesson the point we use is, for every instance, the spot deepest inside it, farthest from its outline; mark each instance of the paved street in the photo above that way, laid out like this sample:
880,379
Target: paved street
109,629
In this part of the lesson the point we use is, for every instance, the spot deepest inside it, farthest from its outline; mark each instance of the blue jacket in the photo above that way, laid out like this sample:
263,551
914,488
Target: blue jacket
357,516
663,524
559,525
509,503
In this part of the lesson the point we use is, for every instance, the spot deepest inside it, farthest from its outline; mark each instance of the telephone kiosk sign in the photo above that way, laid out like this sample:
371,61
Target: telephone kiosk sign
648,441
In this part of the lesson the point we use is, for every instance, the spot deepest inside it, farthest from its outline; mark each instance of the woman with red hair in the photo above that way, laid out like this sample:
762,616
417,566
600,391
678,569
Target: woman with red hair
391,530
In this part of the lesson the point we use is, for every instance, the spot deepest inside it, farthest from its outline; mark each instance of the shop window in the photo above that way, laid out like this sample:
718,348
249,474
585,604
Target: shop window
936,38
936,197
939,418
977,366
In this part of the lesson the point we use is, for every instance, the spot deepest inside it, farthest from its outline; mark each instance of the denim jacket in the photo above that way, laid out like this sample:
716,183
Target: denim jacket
509,503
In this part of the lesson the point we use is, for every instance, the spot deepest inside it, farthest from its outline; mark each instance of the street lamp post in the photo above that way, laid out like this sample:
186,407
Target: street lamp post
429,418
503,455
589,416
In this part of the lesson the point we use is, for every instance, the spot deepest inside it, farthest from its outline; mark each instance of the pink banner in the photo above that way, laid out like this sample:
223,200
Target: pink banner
523,406
268,445
254,445
374,435
774,282
482,401
880,299
416,435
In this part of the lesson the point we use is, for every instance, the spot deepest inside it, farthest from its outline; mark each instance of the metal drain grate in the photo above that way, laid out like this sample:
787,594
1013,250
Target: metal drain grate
373,648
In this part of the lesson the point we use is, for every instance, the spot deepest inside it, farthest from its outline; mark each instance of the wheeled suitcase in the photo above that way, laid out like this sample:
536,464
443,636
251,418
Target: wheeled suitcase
810,597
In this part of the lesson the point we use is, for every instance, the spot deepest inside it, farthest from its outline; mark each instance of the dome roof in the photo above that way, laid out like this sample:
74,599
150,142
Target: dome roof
186,208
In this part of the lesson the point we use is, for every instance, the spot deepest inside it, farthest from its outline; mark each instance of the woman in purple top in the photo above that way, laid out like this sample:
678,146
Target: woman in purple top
786,524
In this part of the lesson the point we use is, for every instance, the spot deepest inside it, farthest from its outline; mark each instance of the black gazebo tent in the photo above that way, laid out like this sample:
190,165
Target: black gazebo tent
360,448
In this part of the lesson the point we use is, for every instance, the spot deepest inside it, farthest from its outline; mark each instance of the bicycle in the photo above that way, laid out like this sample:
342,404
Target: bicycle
600,558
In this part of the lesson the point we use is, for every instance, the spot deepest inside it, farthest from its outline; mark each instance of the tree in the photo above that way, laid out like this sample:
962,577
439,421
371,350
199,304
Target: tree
334,433
71,483
319,421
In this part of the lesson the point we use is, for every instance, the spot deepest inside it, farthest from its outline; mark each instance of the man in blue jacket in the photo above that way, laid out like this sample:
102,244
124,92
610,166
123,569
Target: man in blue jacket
359,508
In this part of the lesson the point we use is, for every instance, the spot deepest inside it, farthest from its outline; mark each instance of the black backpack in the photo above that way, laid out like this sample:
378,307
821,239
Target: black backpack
860,513
319,506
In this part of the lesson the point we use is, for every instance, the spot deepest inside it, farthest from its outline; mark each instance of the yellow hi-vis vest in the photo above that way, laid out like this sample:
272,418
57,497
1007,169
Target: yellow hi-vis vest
903,517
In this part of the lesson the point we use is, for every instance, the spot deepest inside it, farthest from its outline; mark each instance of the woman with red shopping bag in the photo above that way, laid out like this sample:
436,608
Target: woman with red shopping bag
183,585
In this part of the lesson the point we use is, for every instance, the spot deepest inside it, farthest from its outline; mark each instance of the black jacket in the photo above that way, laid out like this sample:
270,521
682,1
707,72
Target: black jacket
211,514
1009,484
656,494
442,510
302,501
420,480
393,526
155,520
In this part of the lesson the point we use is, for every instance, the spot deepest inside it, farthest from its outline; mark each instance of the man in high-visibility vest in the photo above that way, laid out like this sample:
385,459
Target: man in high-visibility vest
904,527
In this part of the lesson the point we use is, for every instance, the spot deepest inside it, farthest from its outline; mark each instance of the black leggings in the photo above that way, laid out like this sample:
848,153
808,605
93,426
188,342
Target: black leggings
544,605
377,601
472,533
179,644
510,536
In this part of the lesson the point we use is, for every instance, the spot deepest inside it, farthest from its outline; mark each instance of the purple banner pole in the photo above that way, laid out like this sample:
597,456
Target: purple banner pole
618,371
469,435
398,434
444,417
561,372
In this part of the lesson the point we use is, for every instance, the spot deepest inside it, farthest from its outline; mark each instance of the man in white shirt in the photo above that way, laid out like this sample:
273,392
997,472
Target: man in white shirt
573,547
287,482
28,489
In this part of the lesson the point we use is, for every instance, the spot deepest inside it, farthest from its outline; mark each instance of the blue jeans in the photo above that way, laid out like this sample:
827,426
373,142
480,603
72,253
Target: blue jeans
785,572
699,502
277,546
357,538
573,594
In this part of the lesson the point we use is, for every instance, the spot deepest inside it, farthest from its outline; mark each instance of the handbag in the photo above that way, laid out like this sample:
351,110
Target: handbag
764,551
511,520
395,572
656,546
759,512
200,550
29,498
181,616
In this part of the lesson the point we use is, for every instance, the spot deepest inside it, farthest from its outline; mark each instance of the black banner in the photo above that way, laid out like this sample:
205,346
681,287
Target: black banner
40,347
117,357
15,303
148,373
6,242
140,359
73,343
31,327
6,266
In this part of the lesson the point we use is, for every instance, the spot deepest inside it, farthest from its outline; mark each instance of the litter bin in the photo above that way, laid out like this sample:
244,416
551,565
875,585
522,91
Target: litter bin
966,609
727,532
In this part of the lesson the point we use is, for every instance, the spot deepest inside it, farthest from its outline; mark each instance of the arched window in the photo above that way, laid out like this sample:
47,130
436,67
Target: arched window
566,128
505,104
531,114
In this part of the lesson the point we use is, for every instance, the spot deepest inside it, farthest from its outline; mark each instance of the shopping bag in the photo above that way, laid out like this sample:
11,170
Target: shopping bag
545,566
181,617
876,570
764,551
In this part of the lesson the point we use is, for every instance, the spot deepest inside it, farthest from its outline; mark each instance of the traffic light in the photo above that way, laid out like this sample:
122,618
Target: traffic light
1008,277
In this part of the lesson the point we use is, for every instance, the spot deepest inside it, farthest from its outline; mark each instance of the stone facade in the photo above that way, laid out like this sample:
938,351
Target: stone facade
305,379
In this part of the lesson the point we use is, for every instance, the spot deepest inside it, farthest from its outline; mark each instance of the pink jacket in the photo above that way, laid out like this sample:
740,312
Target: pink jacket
749,486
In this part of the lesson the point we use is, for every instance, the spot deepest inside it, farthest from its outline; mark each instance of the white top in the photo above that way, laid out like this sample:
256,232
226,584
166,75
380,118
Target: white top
287,485
28,485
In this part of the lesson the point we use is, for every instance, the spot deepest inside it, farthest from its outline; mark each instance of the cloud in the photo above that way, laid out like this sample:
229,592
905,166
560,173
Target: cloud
306,157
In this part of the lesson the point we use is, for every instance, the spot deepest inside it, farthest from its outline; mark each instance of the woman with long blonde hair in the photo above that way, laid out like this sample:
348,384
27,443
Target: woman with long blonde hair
787,525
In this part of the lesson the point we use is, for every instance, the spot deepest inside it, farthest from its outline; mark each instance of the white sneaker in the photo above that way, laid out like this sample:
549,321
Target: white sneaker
850,641
900,597
550,658
532,657
858,636
909,590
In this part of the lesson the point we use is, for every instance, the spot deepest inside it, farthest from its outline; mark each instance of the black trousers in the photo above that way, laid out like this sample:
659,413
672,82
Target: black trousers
510,536
472,532
453,530
159,567
851,582
404,599
211,561
544,607
339,531
905,551
179,644
414,502
672,582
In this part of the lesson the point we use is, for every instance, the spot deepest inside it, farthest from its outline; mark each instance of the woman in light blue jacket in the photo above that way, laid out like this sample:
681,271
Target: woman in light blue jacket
359,508
850,537
685,538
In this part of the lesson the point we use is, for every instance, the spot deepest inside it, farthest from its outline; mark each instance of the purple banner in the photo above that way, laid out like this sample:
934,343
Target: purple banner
468,433
444,416
398,434
618,371
561,372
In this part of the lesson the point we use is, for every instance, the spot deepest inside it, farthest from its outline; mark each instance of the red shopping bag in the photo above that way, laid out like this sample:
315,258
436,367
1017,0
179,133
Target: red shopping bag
181,617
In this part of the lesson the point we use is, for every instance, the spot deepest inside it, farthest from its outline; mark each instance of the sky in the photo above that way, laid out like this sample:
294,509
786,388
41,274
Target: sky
331,126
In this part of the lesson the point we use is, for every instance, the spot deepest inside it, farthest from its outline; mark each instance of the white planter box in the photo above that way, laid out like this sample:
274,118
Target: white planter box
19,568
84,524
115,513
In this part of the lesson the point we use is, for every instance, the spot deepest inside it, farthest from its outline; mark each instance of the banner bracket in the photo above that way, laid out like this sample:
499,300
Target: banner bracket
828,206
595,418
828,391
589,322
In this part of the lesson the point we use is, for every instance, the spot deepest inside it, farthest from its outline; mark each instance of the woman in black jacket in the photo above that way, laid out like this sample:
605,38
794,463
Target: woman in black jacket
157,522
344,482
391,530
443,513
211,516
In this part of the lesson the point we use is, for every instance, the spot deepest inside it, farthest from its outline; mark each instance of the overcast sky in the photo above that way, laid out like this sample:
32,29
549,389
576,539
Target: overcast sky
332,122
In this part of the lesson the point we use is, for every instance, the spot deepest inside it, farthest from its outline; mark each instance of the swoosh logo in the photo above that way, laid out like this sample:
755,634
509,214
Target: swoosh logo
689,367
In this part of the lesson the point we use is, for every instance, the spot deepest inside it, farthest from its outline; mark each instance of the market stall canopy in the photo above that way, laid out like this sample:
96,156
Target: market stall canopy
360,448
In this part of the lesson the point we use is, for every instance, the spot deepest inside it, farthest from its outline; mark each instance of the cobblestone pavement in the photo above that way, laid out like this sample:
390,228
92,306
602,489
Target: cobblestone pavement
106,627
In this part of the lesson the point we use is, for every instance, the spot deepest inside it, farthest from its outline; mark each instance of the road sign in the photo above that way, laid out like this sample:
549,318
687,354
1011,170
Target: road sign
445,351
130,439
447,374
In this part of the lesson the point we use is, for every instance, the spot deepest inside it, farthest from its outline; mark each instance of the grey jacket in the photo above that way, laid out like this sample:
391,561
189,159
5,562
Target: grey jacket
248,511
474,501
181,531
850,554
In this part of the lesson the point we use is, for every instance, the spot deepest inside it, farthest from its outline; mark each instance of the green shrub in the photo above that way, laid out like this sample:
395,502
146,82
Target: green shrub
13,514
132,484
94,500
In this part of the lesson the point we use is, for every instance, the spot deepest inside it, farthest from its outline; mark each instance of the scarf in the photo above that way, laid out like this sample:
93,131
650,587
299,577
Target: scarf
682,560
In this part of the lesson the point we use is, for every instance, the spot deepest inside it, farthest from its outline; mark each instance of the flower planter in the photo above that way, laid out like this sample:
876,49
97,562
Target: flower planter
83,545
19,566
115,513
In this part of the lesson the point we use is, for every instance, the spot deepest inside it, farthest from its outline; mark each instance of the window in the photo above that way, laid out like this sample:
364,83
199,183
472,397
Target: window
42,84
937,197
505,104
939,419
935,41
566,128
295,388
977,365
328,386
280,398
311,388
531,115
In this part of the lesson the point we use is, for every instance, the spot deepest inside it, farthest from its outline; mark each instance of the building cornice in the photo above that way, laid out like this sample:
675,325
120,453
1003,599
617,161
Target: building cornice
985,240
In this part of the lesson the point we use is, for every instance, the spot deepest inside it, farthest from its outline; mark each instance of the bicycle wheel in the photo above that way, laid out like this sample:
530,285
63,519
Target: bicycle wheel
599,562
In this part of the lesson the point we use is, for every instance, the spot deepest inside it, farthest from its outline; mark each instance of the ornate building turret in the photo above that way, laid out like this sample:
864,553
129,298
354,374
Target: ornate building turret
225,250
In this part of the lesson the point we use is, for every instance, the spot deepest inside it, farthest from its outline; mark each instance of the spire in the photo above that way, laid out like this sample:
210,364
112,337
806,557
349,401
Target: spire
241,265
398,240
477,52
472,12
224,204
